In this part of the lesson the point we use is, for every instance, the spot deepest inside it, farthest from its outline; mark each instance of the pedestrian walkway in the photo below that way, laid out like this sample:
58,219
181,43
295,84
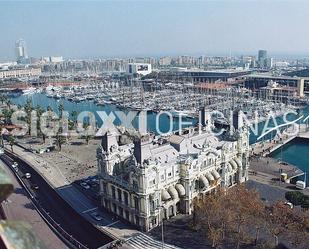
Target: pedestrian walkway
142,241
265,147
113,228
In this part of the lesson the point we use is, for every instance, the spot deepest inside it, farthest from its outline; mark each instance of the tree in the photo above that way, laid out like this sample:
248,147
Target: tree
60,109
7,114
87,134
74,115
8,102
60,140
28,109
210,217
39,112
28,106
3,98
245,206
1,136
49,109
11,140
295,197
305,203
87,138
238,215
71,125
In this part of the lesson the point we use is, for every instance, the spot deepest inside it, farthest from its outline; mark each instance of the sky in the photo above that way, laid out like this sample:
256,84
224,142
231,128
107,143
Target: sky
84,29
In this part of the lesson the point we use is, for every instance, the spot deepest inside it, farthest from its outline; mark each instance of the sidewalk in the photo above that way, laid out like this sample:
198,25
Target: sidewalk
116,229
51,173
74,197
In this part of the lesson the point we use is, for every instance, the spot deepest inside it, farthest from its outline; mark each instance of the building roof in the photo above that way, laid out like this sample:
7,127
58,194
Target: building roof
176,139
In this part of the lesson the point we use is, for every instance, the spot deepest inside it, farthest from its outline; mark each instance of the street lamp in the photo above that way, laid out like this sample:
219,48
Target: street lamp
162,229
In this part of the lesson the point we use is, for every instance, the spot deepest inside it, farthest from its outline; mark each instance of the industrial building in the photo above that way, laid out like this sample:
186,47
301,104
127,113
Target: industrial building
214,75
256,81
20,73
139,68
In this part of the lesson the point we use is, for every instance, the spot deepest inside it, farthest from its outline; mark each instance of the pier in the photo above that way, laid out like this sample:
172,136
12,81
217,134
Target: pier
261,162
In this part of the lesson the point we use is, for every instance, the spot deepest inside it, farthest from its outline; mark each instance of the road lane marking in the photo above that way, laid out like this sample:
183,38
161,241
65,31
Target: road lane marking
113,223
89,210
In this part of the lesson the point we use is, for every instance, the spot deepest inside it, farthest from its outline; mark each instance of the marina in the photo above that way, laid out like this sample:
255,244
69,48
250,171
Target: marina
170,101
154,125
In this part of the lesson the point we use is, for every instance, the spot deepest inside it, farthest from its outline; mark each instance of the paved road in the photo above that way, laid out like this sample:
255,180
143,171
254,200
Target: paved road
20,208
60,211
75,198
270,194
84,205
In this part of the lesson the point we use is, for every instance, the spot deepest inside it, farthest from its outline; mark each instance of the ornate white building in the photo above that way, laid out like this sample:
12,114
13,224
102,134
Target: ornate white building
159,177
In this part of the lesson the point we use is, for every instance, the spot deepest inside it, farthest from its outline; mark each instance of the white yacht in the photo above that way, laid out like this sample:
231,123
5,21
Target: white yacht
30,90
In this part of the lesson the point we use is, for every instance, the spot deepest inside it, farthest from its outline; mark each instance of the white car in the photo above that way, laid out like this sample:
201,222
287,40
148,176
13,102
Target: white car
85,185
300,184
15,166
28,175
96,216
289,204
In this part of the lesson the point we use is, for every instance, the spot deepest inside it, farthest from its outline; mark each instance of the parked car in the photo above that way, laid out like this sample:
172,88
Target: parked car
93,184
15,166
34,186
300,185
289,204
27,175
85,185
96,216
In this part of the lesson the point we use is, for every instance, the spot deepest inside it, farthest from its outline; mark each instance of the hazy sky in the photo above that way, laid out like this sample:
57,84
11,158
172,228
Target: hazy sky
114,28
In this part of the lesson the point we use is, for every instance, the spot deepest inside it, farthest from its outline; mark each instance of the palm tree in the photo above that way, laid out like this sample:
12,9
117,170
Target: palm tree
50,115
28,109
11,140
7,114
74,115
39,112
1,136
3,98
8,102
87,138
49,109
60,140
60,109
28,106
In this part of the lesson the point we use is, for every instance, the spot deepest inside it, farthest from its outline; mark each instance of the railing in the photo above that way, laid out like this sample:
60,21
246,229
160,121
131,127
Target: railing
66,237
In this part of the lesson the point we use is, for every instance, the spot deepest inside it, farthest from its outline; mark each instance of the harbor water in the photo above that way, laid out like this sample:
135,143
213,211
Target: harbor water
294,152
165,123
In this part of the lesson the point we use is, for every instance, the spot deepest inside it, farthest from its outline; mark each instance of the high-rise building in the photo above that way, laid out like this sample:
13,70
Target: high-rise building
269,62
21,51
262,57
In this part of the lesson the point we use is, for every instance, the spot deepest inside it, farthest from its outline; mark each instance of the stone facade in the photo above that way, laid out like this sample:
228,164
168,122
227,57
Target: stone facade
156,178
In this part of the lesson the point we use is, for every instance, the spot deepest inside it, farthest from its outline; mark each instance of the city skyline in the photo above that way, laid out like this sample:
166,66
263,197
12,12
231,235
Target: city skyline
83,29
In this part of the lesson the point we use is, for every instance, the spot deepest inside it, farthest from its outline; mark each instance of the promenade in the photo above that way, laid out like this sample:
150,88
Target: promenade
18,207
267,170
111,226
265,147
